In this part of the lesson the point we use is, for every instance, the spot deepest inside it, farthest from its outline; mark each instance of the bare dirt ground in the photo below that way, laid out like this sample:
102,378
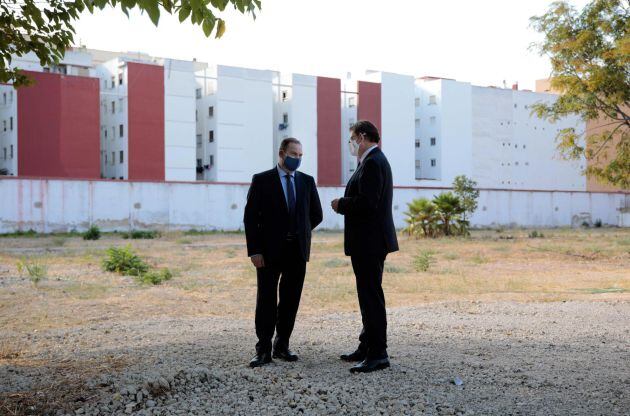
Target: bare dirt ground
499,323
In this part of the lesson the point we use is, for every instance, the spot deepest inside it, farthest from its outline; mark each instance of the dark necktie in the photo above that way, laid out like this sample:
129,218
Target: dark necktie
291,205
290,195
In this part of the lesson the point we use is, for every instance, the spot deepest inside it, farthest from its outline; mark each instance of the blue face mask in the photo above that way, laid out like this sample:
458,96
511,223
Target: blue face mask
292,163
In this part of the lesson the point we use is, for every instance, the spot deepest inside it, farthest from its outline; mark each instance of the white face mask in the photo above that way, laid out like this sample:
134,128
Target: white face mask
353,146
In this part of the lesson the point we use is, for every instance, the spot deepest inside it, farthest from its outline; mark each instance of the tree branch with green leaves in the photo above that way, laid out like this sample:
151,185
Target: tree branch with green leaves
46,27
589,52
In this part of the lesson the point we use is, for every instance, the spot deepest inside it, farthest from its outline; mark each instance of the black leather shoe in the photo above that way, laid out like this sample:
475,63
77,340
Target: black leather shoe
358,355
260,359
369,365
286,355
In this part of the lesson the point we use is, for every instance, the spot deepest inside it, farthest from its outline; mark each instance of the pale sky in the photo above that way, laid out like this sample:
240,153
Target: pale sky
483,41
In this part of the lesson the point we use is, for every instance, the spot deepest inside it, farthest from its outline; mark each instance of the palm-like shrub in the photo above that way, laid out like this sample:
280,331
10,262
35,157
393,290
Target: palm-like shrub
421,217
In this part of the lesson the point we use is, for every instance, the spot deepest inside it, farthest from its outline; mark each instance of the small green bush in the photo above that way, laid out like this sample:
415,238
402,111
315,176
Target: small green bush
155,277
36,271
536,234
124,261
93,233
422,261
140,234
598,223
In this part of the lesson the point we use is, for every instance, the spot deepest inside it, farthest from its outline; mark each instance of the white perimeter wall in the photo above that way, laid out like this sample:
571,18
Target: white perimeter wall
61,205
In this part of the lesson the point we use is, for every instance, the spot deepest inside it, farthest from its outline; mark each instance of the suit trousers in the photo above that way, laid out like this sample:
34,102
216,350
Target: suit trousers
275,312
368,271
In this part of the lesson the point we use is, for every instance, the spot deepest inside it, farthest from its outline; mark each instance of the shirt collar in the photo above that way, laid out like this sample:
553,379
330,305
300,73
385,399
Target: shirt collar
367,152
282,173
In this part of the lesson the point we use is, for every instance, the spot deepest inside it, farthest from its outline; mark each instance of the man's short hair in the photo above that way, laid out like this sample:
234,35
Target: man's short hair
286,142
366,128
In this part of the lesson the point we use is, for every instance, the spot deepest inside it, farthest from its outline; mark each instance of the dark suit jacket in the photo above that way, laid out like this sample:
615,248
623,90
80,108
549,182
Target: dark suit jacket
267,215
367,208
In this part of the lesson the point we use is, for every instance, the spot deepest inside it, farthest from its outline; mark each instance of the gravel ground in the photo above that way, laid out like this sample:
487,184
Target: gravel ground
447,359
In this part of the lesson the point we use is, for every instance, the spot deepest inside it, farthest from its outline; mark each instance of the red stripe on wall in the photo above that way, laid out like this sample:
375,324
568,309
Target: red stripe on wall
328,131
369,105
58,127
145,138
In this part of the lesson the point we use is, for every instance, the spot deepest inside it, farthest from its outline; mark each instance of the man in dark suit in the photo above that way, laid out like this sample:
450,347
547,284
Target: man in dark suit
282,209
369,235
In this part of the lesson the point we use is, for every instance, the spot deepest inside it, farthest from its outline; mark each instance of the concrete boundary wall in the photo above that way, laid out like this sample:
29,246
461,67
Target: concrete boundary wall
57,205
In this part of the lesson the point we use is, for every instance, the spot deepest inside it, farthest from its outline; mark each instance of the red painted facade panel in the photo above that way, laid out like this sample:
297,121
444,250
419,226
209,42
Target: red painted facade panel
369,105
58,127
145,111
328,131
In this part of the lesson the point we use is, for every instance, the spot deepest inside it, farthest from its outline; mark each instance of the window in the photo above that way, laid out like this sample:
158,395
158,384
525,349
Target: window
285,95
121,157
120,78
211,136
120,105
11,123
211,111
113,107
10,96
432,120
4,125
417,143
113,82
4,98
285,118
106,133
106,158
199,163
104,84
352,102
5,153
211,160
432,100
199,140
113,158
11,151
196,115
198,93
417,102
417,122
432,141
433,162
417,164
120,130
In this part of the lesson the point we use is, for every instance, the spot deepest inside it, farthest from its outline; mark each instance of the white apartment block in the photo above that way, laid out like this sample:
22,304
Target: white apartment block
235,117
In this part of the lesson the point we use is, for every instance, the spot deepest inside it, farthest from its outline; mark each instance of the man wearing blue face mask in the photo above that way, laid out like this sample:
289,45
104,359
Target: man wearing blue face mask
282,209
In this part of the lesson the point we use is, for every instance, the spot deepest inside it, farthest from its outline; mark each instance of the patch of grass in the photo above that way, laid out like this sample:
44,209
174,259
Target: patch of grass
451,256
392,268
595,291
501,249
536,234
124,261
93,233
479,259
336,262
36,271
230,253
155,277
422,261
20,233
141,234
184,241
59,241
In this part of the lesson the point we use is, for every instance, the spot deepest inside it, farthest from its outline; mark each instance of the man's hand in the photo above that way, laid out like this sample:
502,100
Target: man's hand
258,261
335,204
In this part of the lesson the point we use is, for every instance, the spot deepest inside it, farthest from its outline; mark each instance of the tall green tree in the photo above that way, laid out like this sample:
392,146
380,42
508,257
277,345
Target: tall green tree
464,188
45,27
590,59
